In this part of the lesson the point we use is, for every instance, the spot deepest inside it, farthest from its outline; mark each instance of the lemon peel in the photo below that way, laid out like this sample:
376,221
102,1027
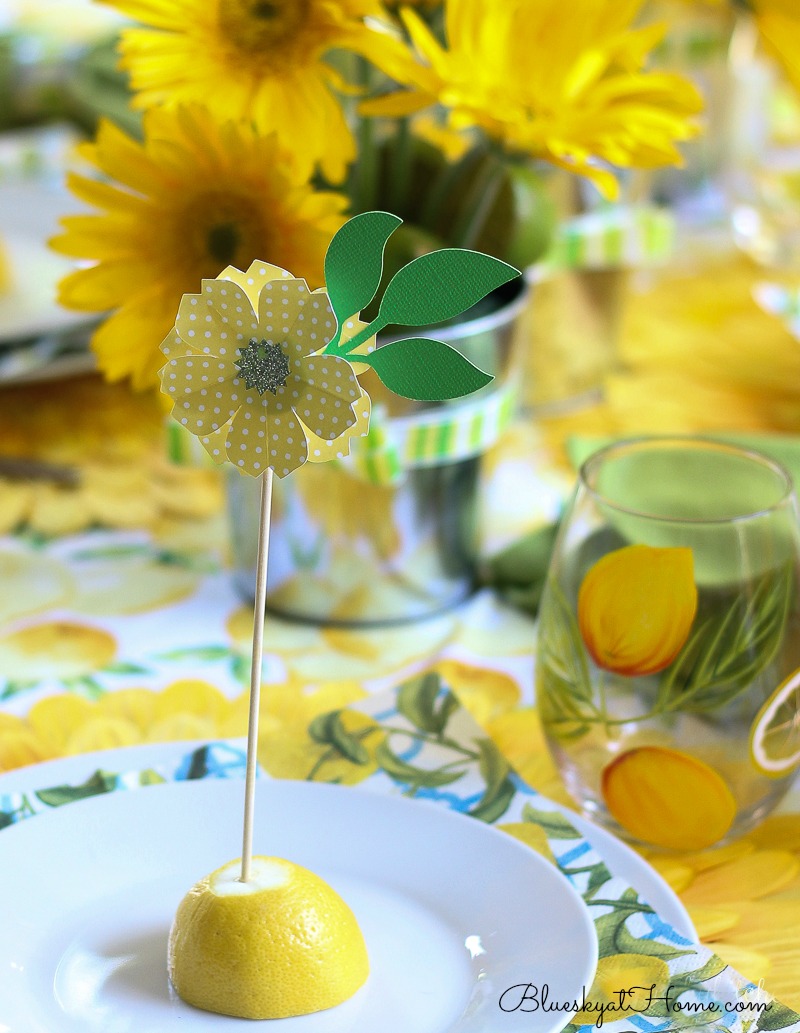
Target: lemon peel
282,944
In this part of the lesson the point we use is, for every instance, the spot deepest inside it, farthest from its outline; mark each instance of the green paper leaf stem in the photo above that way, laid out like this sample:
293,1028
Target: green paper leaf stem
441,285
425,370
354,262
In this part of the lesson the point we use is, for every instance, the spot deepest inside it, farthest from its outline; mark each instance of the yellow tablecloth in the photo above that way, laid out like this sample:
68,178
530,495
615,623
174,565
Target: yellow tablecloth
110,638
113,637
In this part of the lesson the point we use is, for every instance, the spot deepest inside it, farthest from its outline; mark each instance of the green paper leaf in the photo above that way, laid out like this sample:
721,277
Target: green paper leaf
354,262
425,370
441,285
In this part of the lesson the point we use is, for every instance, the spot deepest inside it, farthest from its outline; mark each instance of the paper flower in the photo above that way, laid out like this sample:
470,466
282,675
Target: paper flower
259,366
636,607
247,380
583,100
192,198
260,63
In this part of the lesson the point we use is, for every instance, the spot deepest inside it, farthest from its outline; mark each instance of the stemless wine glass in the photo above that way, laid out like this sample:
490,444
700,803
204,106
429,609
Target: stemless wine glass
669,641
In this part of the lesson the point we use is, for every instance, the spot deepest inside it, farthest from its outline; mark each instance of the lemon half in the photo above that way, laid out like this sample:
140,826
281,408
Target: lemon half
284,943
775,735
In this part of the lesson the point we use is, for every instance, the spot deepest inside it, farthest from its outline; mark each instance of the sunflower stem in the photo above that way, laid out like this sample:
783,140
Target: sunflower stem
365,186
400,166
479,203
255,672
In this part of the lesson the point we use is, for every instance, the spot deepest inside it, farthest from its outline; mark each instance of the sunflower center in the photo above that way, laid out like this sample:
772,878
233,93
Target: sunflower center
260,26
223,241
263,366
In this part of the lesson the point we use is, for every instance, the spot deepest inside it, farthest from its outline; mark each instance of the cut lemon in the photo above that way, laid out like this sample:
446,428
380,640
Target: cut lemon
775,735
284,943
668,798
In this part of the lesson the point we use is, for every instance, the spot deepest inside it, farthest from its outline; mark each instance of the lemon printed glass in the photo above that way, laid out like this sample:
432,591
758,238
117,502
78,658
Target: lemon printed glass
669,641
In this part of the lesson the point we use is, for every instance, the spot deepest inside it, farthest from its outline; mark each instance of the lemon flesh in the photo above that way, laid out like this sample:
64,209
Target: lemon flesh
284,943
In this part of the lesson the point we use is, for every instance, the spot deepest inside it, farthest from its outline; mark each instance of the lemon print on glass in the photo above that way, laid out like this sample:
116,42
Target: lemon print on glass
775,735
636,607
282,944
668,798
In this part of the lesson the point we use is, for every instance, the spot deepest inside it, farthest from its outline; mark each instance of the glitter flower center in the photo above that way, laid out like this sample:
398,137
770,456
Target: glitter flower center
262,25
263,366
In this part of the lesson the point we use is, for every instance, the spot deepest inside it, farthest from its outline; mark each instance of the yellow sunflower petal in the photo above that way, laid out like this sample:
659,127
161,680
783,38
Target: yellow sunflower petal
272,68
779,831
753,965
668,798
677,876
636,607
757,875
710,922
196,196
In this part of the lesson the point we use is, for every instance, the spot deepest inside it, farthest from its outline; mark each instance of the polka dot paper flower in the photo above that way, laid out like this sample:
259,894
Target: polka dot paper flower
245,375
259,367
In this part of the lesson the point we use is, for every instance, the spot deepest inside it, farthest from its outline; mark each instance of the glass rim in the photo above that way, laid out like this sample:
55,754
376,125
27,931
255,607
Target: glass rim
682,440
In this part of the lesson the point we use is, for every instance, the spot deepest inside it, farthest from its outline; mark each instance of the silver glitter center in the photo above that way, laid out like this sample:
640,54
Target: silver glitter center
263,366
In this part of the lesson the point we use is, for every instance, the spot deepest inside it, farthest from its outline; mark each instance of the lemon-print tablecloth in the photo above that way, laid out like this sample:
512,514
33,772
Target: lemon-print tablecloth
111,638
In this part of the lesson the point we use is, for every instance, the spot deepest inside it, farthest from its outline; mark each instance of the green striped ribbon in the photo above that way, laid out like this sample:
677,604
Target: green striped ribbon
614,237
394,446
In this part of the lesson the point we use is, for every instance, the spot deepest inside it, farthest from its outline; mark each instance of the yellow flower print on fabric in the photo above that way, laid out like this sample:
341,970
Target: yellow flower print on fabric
247,380
636,607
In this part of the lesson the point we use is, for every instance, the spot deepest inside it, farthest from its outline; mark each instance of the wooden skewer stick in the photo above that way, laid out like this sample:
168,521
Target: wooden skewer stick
255,672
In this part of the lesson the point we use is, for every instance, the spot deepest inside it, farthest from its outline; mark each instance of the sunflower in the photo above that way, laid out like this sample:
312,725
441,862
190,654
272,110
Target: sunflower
564,83
261,61
779,27
248,380
192,198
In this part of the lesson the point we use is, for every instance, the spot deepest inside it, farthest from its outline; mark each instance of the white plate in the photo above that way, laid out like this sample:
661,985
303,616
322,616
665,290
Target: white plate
453,911
620,858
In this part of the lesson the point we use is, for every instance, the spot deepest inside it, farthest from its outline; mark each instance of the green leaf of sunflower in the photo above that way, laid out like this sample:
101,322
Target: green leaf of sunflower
441,285
354,262
425,370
